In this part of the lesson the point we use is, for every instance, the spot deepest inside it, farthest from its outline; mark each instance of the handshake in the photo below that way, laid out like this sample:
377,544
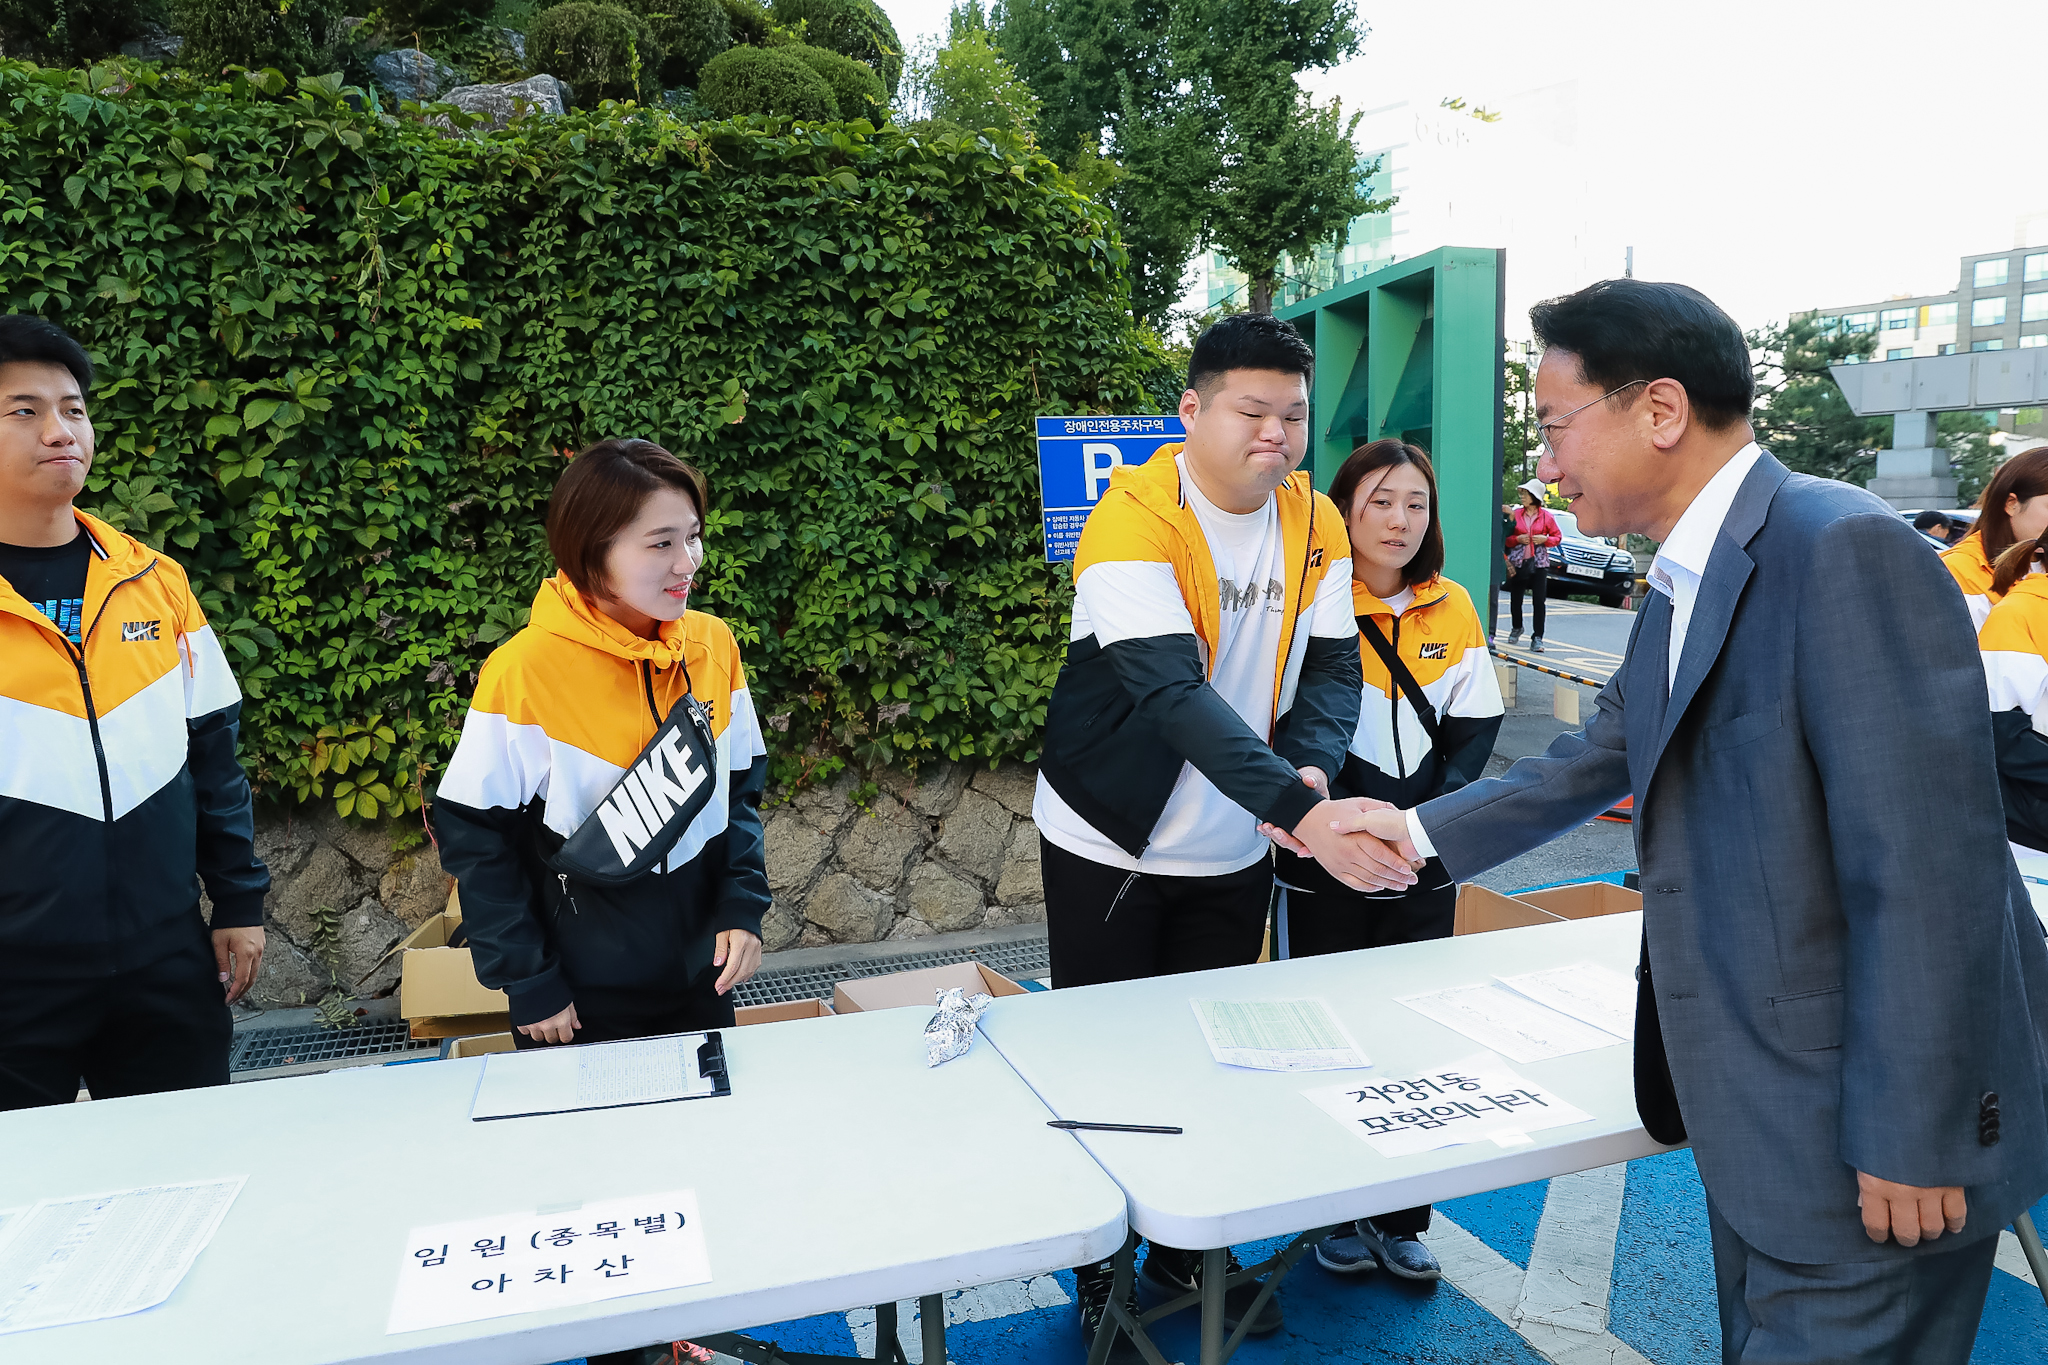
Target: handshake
1361,842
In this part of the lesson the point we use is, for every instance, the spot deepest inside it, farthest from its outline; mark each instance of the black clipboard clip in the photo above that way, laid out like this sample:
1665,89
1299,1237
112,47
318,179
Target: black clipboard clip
711,1063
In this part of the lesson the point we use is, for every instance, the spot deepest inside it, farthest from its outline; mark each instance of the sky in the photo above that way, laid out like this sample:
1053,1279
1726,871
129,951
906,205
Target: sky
1778,155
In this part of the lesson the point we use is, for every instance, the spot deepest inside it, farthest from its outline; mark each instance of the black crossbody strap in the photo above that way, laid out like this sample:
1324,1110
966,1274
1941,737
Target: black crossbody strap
1405,680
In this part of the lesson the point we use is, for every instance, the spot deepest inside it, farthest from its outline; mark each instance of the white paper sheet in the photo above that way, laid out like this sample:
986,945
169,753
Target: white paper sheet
2032,862
1587,991
84,1258
1277,1035
520,1262
1470,1101
1509,1023
560,1080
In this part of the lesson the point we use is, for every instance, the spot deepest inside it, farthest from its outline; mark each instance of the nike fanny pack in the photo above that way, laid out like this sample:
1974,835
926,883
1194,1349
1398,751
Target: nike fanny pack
639,821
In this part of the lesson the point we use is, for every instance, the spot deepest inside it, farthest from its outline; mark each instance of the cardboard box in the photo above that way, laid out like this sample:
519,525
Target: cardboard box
438,993
1585,900
477,1047
1480,910
901,990
775,1014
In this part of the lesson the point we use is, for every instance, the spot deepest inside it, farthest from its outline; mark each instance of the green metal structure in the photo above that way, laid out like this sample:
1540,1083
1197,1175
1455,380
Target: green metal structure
1414,351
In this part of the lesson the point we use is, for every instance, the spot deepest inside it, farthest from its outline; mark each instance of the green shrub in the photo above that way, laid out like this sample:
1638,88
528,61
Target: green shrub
766,80
603,51
72,32
298,37
404,18
350,351
690,34
857,28
856,89
748,19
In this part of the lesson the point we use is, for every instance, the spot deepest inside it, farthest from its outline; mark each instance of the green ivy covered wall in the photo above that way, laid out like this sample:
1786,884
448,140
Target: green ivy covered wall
344,355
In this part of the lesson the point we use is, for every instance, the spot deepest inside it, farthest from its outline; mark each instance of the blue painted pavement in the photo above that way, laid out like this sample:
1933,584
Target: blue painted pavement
1662,1306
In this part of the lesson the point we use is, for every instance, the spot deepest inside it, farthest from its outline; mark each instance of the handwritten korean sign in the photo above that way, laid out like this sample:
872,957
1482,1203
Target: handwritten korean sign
1469,1102
519,1263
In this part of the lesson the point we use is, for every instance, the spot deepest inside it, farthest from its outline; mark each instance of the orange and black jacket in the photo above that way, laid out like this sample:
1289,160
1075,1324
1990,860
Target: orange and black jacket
561,711
120,792
1125,717
1967,562
2014,646
1443,643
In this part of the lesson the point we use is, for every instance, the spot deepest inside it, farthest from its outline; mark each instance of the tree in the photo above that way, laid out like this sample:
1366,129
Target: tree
966,84
1801,416
1970,452
1290,178
1114,114
1519,443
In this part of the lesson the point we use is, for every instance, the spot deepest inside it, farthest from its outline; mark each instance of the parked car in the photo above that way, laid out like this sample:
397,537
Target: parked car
1582,563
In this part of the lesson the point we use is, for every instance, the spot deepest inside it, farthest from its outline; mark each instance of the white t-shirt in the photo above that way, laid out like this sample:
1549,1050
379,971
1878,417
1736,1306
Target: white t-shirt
1202,832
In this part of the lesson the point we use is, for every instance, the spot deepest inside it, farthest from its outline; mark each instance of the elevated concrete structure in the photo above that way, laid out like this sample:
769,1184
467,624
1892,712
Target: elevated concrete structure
1914,472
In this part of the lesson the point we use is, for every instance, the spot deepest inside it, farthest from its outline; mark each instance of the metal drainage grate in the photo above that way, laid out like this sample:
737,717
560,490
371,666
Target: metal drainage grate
1022,958
258,1048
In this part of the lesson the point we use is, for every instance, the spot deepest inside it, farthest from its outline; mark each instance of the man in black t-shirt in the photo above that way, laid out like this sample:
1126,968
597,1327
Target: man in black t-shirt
119,788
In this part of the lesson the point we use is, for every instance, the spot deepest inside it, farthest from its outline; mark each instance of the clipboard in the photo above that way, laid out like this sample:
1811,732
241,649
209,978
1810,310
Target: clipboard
621,1075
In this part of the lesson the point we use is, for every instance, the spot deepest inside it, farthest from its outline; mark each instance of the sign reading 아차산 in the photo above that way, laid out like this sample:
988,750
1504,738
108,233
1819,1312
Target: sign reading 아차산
1075,458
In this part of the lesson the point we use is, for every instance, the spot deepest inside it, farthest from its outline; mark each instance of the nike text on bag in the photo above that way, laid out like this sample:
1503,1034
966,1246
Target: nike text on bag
647,810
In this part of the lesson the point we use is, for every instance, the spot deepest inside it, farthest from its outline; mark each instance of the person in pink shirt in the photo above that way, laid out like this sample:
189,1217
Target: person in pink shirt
1531,537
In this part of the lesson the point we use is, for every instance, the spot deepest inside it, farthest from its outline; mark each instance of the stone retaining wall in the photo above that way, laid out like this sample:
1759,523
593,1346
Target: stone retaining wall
954,850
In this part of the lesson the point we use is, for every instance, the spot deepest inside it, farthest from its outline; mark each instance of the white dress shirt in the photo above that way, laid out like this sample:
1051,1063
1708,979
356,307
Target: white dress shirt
1676,572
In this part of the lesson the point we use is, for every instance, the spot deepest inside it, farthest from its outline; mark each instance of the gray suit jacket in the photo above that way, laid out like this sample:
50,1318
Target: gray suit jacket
1845,966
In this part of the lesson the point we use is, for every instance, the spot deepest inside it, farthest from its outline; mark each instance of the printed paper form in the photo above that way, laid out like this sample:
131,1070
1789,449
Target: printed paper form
1511,1024
518,1262
100,1256
1469,1101
1277,1035
593,1076
1586,991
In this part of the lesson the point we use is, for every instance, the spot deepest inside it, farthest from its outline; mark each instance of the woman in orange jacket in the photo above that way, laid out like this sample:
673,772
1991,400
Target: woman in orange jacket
2015,508
2014,647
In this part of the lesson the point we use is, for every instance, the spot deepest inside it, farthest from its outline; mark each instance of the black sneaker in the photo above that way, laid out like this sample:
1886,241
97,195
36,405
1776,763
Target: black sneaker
1173,1271
1092,1287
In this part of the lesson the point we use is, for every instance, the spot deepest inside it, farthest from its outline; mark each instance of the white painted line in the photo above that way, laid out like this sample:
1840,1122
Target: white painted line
1493,1282
979,1304
2012,1258
1571,1266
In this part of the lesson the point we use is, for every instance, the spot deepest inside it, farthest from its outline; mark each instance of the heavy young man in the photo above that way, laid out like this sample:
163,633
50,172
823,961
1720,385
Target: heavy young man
1212,682
119,788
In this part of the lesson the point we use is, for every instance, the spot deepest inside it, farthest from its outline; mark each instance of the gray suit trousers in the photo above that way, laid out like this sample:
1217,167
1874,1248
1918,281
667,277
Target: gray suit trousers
1922,1309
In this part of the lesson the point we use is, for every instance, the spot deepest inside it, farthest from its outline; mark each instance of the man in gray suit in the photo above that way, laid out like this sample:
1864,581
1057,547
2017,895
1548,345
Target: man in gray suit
1839,955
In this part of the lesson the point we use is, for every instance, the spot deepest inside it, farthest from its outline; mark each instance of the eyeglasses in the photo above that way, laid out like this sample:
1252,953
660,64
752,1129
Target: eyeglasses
1543,429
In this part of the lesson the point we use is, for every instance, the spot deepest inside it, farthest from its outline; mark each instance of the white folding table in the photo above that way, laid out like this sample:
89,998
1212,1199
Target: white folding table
841,1172
1257,1159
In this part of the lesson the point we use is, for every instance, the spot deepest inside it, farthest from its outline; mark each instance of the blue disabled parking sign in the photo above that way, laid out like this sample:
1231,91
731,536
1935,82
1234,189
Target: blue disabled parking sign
1075,458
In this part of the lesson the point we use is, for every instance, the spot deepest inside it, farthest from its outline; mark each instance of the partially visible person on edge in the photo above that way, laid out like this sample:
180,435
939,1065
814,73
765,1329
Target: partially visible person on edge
2014,647
1531,538
2013,507
610,657
1432,709
120,793
1934,526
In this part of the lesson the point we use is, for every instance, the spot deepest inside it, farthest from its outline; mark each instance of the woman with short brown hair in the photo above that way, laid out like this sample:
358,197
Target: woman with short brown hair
601,814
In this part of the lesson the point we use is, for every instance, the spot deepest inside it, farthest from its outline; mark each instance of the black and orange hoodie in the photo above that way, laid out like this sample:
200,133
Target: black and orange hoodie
561,711
1124,718
2014,646
1971,569
1390,758
120,793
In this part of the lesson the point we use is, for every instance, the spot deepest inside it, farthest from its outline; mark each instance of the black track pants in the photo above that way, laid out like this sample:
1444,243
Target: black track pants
161,1027
1105,924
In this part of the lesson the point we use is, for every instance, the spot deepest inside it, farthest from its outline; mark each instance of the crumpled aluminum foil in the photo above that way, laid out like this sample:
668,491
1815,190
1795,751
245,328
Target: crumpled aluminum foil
951,1031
